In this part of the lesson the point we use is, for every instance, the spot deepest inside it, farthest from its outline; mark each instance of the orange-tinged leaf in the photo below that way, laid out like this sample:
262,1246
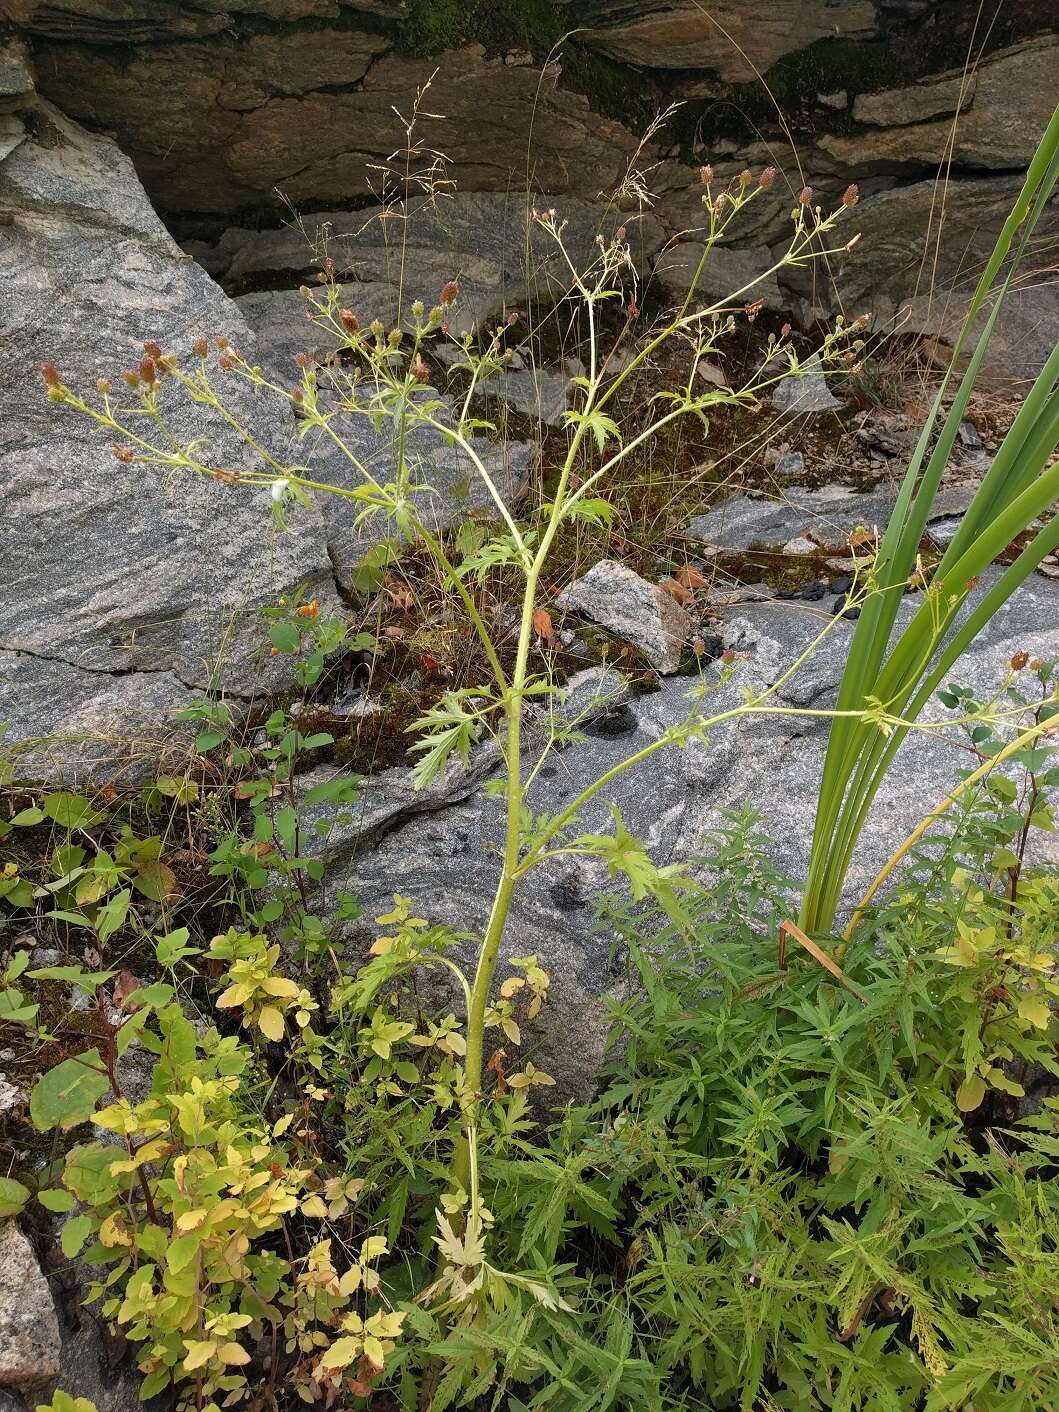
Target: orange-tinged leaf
676,591
542,626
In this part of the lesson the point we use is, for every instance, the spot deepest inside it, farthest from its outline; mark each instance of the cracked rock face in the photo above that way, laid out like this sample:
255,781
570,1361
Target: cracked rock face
631,608
446,856
127,591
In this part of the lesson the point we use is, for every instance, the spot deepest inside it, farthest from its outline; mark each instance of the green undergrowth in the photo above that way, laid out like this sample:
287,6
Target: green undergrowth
798,1186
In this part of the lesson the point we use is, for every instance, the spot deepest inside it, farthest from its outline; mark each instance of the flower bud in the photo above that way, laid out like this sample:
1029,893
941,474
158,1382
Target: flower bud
350,321
805,196
745,178
785,331
305,291
50,373
449,293
619,235
152,349
201,347
851,195
125,454
103,386
130,378
767,177
148,371
220,342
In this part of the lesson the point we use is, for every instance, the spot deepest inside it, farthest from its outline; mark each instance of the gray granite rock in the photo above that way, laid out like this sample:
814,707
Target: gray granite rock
805,391
826,518
29,1328
16,73
447,860
1004,107
625,604
543,394
488,241
731,277
128,590
831,515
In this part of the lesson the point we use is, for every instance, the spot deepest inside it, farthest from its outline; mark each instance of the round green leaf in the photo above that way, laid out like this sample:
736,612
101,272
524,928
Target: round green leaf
67,1095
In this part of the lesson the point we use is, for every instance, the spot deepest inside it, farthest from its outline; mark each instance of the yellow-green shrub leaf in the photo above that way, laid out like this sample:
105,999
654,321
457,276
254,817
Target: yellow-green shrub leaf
74,1234
67,1095
271,1022
970,1093
13,1196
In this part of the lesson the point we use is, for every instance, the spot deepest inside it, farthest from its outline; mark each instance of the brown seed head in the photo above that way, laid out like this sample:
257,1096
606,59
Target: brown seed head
302,359
746,176
633,311
706,174
720,204
103,386
805,195
225,362
785,331
420,371
148,371
50,373
851,195
201,347
220,342
329,267
297,395
125,454
130,378
1020,660
449,293
767,177
152,349
350,322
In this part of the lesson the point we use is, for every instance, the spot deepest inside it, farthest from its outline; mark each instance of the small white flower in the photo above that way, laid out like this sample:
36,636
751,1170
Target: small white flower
280,490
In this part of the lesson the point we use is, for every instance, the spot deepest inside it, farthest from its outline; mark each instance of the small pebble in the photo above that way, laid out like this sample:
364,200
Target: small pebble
814,591
842,584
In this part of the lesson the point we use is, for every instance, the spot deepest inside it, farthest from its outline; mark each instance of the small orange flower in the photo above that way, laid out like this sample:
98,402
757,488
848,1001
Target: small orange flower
309,610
